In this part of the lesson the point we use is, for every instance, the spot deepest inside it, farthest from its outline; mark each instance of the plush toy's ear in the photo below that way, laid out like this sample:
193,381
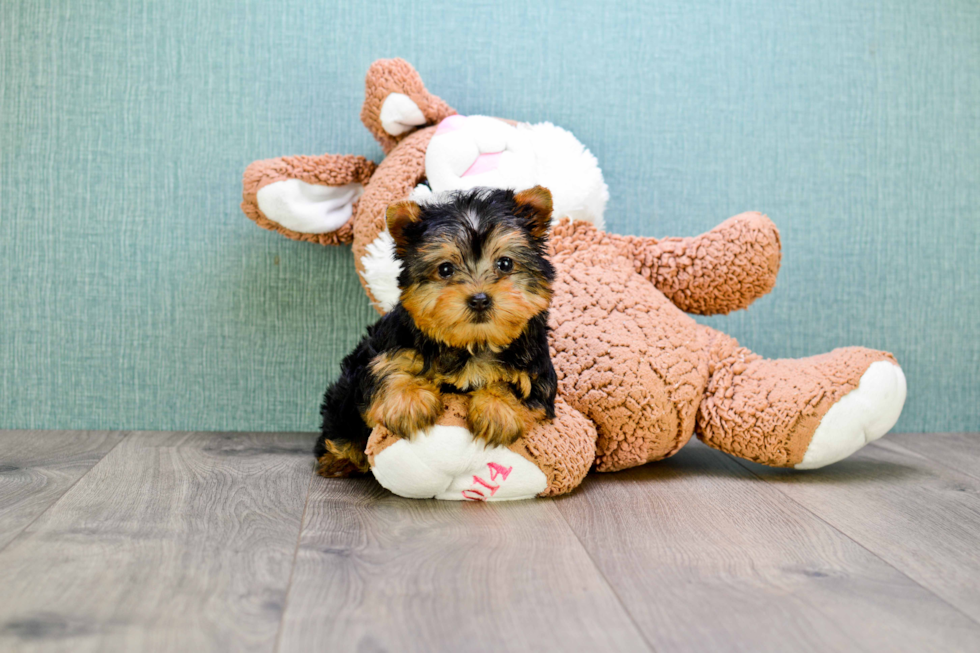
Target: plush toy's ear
307,198
400,216
396,102
535,206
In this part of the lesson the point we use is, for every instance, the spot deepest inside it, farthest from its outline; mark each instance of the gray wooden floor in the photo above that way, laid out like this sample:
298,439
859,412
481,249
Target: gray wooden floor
216,541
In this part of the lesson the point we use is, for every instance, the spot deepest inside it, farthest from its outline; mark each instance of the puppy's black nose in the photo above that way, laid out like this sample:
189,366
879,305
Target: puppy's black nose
479,302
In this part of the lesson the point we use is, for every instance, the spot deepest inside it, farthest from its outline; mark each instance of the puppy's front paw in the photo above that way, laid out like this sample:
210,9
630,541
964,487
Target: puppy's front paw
496,416
406,411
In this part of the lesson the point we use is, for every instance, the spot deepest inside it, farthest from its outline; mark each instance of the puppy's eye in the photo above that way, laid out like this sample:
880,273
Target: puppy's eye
505,264
446,270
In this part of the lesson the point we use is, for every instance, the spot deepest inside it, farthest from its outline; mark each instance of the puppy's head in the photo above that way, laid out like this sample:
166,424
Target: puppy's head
473,265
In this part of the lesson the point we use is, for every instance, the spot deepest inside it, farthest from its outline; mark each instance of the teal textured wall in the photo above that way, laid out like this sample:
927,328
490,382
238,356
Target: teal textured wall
134,294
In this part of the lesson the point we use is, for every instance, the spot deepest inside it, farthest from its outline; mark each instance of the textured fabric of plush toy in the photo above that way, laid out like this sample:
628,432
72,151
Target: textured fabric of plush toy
718,272
471,151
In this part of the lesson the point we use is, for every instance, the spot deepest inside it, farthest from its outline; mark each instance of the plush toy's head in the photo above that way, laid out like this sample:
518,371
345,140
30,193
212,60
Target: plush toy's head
474,271
338,199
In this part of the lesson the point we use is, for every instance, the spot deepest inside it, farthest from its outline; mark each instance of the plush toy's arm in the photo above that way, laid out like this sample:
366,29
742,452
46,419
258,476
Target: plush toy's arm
308,198
446,462
396,102
717,272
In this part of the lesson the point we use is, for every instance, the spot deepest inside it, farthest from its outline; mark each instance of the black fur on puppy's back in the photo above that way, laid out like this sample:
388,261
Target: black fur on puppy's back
341,417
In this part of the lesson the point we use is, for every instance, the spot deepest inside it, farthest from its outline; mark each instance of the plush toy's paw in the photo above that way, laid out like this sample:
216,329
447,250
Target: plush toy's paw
446,462
861,416
407,410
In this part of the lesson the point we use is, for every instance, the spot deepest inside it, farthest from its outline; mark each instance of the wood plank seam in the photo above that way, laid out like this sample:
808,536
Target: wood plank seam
605,580
858,543
292,568
125,435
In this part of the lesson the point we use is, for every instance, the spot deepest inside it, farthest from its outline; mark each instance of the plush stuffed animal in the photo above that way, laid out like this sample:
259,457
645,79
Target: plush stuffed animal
637,376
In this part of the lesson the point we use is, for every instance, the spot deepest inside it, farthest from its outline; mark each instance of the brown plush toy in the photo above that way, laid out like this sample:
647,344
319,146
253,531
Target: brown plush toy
637,377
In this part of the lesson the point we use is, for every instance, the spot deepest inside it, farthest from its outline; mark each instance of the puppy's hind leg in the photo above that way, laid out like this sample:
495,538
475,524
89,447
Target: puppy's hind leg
340,458
340,448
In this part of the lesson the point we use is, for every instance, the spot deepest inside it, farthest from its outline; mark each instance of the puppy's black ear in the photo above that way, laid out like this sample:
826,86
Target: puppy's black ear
400,216
534,205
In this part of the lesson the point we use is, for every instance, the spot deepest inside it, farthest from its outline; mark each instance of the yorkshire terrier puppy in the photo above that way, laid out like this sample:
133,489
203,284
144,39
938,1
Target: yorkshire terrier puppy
472,318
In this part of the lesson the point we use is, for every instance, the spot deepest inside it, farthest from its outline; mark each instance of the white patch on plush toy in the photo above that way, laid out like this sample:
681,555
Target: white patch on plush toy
308,208
861,416
422,194
381,271
445,462
400,114
570,172
466,152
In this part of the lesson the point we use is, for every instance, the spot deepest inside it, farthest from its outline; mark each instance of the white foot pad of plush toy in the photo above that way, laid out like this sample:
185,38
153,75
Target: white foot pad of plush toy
446,463
861,416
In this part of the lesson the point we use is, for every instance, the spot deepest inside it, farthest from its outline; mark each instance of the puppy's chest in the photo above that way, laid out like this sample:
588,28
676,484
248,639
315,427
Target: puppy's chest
469,372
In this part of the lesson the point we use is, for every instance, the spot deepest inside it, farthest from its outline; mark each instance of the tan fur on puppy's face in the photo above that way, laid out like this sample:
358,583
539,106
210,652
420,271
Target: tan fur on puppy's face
439,306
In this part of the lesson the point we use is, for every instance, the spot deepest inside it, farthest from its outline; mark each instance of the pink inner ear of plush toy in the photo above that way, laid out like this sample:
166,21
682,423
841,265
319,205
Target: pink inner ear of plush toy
484,163
451,123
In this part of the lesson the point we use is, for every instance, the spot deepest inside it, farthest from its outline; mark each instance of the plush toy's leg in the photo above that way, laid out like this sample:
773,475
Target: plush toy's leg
445,462
803,413
629,361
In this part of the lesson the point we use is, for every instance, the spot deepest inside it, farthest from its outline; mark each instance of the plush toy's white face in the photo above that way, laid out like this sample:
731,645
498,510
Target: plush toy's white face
467,152
471,151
